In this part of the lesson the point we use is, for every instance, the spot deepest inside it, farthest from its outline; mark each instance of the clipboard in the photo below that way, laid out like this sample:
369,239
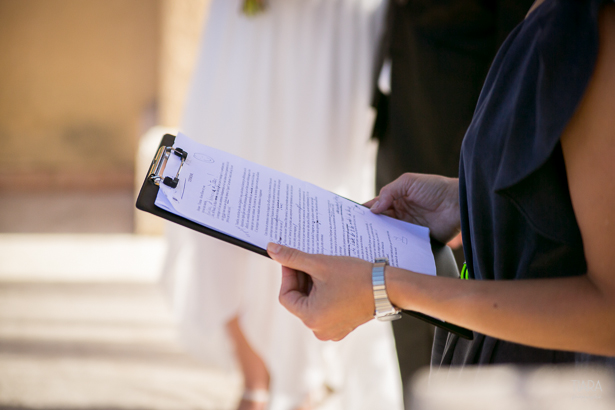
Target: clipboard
445,263
149,191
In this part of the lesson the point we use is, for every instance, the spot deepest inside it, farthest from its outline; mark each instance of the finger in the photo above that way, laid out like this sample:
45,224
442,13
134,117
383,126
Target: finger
382,202
293,258
371,202
390,192
385,199
378,208
291,295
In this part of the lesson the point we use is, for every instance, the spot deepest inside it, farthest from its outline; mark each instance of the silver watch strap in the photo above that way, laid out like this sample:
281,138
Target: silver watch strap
383,309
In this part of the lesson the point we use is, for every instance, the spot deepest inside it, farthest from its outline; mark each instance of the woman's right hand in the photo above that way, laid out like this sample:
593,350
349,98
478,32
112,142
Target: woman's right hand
427,200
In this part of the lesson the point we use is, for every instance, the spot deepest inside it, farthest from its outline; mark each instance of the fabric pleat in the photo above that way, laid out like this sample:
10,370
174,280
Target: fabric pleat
289,89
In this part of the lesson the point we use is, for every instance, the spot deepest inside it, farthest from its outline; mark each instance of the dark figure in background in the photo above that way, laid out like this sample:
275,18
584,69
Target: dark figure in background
440,52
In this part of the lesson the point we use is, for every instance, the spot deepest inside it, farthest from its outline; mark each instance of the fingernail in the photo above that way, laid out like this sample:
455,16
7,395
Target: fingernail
375,206
274,248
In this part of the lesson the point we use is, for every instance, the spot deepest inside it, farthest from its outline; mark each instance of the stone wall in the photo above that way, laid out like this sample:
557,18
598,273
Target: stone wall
79,85
181,26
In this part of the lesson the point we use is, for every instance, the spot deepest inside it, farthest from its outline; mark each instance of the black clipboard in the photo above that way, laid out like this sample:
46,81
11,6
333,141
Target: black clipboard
445,263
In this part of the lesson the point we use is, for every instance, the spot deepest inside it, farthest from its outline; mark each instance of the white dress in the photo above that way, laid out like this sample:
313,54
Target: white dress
288,89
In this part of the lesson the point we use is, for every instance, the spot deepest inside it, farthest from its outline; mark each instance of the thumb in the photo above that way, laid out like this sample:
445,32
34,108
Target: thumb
290,257
382,202
389,192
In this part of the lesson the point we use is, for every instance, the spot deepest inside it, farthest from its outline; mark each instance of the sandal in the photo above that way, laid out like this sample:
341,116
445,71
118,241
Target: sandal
256,395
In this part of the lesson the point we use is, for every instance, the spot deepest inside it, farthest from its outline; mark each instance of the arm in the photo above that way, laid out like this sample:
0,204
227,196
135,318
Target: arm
568,313
340,297
565,313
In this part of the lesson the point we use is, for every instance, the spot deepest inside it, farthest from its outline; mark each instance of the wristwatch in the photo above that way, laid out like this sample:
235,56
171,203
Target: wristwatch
384,310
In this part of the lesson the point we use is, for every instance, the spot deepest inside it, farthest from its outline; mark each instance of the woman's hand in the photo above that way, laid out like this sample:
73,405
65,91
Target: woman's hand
427,200
334,299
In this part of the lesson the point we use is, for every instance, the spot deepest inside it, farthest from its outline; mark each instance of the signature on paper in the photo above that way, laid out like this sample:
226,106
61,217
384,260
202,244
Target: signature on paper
244,230
204,157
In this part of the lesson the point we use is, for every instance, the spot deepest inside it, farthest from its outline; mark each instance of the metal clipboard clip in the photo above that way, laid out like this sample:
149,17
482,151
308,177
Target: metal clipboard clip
160,163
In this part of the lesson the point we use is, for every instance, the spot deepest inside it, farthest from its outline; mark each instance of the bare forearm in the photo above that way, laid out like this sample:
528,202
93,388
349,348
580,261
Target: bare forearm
564,313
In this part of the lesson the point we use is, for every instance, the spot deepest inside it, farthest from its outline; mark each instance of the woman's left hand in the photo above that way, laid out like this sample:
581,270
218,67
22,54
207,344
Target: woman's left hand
337,296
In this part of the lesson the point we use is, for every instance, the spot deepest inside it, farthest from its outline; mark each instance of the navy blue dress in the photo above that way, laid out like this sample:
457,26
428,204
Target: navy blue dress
516,213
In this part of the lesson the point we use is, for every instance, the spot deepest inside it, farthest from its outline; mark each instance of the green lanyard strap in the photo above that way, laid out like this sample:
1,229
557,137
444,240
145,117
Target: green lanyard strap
464,272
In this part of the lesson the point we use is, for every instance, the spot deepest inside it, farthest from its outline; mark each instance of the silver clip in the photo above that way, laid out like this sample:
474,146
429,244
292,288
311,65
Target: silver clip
160,163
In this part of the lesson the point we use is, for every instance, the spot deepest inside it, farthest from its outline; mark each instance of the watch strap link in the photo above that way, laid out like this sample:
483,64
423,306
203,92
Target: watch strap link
383,309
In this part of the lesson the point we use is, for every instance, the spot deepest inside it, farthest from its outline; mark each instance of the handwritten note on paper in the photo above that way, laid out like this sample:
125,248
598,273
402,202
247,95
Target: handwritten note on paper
259,205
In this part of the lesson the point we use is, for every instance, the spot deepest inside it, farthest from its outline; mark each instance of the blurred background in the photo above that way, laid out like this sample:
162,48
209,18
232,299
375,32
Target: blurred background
81,83
82,322
86,90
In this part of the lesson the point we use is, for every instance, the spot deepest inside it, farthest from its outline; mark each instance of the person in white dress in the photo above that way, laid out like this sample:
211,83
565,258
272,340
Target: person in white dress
288,88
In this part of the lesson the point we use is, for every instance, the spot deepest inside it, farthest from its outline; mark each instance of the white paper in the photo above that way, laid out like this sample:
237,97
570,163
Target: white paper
259,205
